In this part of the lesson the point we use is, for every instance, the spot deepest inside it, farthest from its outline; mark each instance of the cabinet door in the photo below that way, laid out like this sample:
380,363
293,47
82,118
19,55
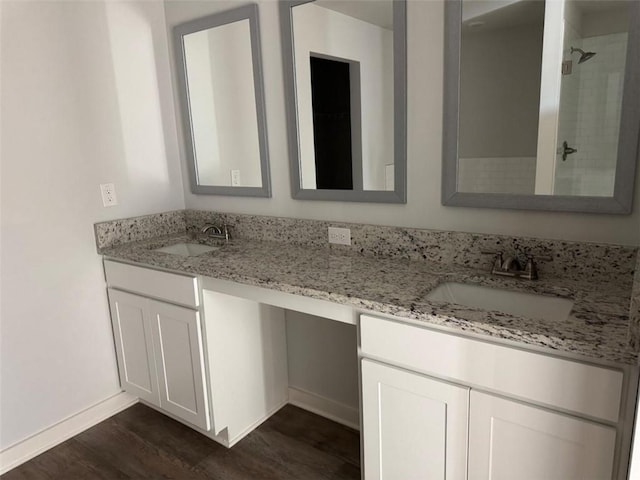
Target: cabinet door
134,345
510,440
414,427
179,354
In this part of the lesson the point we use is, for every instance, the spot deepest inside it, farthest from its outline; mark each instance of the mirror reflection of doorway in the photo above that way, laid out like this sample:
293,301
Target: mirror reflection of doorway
335,96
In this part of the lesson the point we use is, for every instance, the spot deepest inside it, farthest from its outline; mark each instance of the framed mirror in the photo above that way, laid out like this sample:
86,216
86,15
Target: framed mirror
542,104
222,101
345,78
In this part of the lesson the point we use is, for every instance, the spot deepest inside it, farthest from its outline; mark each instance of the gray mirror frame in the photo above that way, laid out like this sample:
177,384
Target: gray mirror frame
248,12
628,144
399,194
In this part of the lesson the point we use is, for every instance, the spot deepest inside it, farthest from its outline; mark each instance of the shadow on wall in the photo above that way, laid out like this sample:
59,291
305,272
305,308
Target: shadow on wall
146,120
87,88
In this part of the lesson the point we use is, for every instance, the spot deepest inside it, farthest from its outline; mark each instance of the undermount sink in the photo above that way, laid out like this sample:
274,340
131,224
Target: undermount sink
521,304
187,249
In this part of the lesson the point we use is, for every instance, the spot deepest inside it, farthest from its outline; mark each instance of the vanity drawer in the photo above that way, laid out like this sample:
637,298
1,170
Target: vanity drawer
172,287
579,387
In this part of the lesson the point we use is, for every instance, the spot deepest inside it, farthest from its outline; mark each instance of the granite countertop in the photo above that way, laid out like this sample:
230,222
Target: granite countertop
596,329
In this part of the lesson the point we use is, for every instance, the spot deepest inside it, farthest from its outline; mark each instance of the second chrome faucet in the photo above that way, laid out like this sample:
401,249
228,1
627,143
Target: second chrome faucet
511,267
216,232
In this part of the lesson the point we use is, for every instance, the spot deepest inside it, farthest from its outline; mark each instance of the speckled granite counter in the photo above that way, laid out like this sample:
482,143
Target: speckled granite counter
597,328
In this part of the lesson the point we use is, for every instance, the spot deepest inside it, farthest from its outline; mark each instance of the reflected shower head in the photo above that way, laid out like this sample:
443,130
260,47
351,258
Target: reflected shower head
584,56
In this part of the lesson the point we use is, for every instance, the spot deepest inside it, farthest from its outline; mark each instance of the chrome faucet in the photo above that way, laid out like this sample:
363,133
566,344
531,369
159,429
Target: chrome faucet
216,232
511,267
511,264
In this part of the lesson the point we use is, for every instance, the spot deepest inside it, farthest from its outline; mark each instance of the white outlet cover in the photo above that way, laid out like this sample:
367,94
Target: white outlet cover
235,178
108,191
339,236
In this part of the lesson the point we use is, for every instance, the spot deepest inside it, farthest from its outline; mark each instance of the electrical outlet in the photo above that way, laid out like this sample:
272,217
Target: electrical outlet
235,178
109,198
340,236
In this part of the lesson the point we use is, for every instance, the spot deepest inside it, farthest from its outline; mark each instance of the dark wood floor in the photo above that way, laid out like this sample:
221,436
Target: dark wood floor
142,443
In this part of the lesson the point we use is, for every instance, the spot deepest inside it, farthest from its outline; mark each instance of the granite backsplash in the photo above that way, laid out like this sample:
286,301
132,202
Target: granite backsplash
634,310
117,232
574,260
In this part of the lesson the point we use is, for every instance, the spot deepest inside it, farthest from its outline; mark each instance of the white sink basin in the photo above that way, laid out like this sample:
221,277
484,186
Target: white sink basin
527,305
187,249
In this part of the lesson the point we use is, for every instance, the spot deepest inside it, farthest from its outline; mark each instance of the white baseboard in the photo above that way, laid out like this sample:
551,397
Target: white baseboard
255,425
325,407
36,444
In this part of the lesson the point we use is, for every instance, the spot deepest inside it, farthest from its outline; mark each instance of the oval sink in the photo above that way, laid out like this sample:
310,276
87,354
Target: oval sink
529,305
187,249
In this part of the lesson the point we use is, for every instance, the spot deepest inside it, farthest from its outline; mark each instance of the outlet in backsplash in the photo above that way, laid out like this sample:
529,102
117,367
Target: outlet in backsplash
576,260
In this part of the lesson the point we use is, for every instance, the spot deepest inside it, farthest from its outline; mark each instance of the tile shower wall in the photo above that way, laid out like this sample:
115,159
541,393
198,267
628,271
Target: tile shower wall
592,95
568,114
497,175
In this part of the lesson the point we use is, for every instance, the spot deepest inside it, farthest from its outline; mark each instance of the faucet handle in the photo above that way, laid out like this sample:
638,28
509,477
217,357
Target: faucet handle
531,268
225,231
497,264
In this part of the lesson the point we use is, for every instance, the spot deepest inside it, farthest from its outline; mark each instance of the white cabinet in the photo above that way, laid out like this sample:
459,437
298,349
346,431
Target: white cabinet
160,355
215,361
134,347
510,440
177,341
247,358
415,427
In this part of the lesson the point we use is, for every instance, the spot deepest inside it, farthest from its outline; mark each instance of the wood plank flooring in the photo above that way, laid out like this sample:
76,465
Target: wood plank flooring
140,443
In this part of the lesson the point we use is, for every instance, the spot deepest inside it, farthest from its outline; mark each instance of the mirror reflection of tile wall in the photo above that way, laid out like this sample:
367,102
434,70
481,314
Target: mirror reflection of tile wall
505,52
590,116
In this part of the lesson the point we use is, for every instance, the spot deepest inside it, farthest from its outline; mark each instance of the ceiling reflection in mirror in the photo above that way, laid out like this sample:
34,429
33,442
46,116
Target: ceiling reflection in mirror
344,67
541,88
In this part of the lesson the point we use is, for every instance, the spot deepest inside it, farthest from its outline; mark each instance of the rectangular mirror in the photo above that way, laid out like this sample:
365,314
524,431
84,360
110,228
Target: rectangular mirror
345,78
222,99
542,104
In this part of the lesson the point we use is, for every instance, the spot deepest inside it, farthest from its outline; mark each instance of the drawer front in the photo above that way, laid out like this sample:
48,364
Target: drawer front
574,386
180,289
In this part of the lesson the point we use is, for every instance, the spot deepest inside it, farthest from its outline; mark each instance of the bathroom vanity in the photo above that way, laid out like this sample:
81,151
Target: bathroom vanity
446,391
461,374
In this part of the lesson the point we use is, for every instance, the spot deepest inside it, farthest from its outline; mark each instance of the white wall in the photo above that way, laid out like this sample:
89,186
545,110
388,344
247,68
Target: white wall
322,357
423,210
206,147
319,30
500,91
236,114
85,99
499,106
